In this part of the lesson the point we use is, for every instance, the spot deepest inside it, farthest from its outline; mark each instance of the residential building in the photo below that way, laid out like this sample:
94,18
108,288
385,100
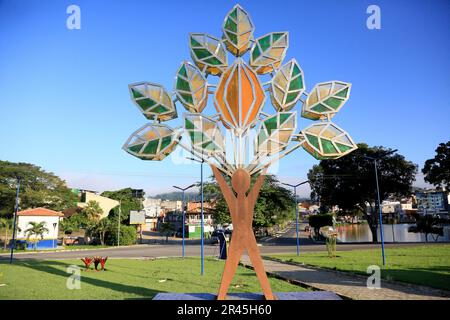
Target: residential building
432,201
153,210
106,204
51,219
171,205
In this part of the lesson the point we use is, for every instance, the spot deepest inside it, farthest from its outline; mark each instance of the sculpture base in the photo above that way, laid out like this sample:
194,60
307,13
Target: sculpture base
310,295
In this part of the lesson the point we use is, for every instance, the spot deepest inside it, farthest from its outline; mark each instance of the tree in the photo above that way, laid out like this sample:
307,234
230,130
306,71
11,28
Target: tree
38,188
128,203
93,211
320,220
349,182
427,224
437,170
275,204
166,230
37,229
7,225
101,229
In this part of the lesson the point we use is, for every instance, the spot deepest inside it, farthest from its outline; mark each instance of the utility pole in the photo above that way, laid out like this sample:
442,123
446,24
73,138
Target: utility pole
118,222
296,211
380,217
16,208
184,215
202,244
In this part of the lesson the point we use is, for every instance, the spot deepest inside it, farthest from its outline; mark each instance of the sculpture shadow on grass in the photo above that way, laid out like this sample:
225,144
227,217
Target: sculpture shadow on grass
54,267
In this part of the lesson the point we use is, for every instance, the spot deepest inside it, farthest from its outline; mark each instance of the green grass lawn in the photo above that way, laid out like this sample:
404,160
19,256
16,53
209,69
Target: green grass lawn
124,279
427,265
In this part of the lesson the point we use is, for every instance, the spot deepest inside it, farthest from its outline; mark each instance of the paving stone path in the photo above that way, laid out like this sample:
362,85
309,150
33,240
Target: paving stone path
349,285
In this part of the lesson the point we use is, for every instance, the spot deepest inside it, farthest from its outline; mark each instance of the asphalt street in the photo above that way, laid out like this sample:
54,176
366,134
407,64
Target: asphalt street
284,243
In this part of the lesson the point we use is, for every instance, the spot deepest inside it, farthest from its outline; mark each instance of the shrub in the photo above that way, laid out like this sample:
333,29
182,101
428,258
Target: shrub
127,235
320,220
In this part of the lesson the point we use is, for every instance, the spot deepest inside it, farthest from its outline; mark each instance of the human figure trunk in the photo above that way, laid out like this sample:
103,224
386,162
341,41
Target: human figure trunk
241,208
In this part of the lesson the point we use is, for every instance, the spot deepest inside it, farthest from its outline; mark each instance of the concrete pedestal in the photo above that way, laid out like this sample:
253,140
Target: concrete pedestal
310,295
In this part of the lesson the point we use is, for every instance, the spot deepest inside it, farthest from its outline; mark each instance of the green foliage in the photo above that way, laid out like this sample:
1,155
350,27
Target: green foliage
128,203
275,204
349,182
127,235
437,170
6,225
100,229
38,188
37,229
75,222
428,224
166,230
318,221
93,211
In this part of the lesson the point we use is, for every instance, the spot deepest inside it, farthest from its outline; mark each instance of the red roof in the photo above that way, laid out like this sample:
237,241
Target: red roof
43,212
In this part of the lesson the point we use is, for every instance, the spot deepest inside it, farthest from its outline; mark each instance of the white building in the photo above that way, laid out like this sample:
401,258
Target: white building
153,210
51,219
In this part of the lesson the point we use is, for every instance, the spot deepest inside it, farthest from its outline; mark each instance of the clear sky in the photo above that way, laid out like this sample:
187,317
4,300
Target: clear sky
64,102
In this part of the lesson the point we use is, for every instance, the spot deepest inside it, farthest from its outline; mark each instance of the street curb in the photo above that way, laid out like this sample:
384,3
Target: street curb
442,292
73,250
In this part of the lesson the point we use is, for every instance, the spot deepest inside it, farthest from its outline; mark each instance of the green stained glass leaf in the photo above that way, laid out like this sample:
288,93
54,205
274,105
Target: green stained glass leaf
342,93
287,86
320,108
333,102
188,124
329,136
271,124
328,147
191,87
152,147
153,101
136,94
208,53
284,117
333,94
342,147
237,31
201,53
145,103
275,133
159,109
270,51
136,148
165,142
183,85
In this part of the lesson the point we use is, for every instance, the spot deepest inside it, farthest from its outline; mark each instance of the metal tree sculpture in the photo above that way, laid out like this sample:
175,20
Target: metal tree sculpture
239,98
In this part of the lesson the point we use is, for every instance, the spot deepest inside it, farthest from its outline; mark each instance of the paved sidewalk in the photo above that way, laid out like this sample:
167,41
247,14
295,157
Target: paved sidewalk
349,285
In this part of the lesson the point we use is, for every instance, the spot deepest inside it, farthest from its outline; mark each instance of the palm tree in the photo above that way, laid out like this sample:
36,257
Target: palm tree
37,229
93,211
6,224
101,228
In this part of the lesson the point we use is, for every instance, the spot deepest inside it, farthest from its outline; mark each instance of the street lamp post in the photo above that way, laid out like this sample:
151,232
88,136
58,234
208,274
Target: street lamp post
184,214
16,208
296,211
202,252
375,161
118,222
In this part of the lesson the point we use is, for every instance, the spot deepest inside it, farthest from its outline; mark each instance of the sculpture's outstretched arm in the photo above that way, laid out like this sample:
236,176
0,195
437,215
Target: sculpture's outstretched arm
226,190
254,192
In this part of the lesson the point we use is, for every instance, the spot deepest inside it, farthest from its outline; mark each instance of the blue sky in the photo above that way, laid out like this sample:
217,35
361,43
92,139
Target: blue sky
64,102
